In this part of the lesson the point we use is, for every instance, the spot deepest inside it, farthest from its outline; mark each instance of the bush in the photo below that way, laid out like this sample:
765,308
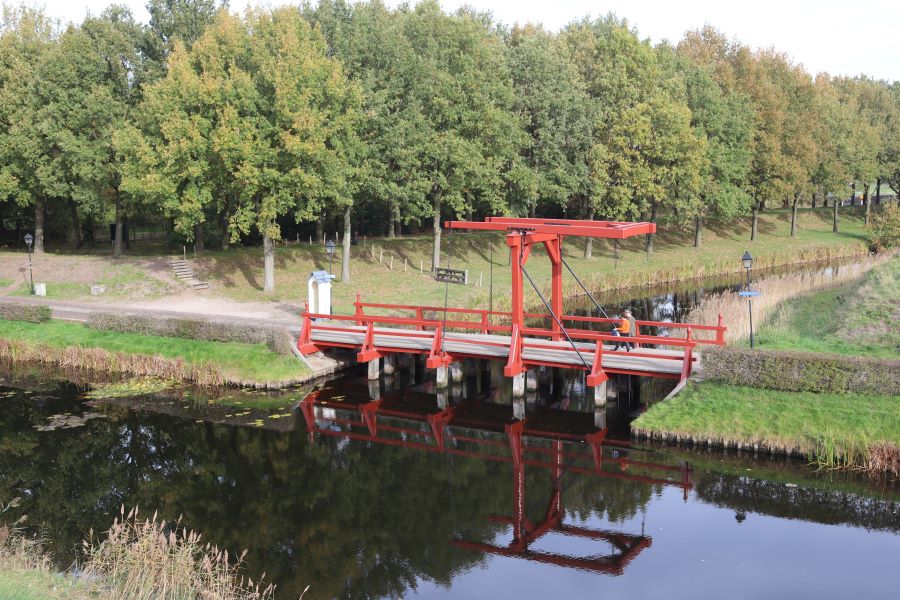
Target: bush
885,228
801,371
278,339
33,313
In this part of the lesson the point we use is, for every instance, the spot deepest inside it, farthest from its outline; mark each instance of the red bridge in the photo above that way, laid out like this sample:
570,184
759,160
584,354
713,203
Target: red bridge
446,335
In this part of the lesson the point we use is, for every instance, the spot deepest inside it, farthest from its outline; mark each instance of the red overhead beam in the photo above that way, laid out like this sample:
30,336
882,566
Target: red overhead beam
598,229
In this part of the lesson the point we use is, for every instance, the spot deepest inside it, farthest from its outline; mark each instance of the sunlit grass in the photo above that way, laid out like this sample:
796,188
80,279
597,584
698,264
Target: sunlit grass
827,427
237,273
238,361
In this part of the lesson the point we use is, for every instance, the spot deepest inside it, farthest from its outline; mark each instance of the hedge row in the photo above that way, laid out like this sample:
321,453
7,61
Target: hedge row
801,371
278,339
33,313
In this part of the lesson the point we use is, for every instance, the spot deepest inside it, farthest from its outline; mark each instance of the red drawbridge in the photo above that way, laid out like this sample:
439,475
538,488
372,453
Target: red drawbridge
554,441
445,335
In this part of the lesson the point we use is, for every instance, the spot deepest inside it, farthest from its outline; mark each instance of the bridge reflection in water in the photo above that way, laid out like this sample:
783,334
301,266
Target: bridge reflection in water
558,441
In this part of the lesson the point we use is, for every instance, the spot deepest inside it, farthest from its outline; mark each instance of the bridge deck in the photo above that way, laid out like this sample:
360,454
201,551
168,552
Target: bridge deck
642,360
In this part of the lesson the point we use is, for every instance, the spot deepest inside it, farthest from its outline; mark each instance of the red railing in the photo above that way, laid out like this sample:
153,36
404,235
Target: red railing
433,331
485,321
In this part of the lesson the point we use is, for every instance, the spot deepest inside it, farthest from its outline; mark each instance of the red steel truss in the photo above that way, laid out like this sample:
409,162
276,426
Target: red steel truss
426,332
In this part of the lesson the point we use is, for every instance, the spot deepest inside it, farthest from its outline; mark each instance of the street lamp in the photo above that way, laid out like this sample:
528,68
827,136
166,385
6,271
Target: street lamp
747,261
28,241
329,250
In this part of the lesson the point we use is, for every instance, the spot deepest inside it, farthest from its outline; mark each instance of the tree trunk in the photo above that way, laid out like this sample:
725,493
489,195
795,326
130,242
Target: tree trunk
866,202
794,206
698,232
398,229
269,264
589,243
199,246
223,227
345,257
39,207
436,224
755,224
813,200
320,230
834,207
878,191
650,236
391,232
76,224
120,228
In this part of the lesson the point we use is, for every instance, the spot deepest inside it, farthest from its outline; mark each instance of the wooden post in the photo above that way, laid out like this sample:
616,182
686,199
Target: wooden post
381,256
420,267
404,265
392,263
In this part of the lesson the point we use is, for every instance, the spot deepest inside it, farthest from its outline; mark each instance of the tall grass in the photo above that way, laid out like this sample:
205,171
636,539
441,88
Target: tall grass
150,559
773,291
103,361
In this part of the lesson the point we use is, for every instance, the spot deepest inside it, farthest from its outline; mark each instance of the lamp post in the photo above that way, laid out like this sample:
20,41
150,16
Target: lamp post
329,250
28,241
747,261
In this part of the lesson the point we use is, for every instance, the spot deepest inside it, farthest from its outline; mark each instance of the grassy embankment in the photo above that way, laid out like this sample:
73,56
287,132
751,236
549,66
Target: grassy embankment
237,273
855,318
235,362
828,428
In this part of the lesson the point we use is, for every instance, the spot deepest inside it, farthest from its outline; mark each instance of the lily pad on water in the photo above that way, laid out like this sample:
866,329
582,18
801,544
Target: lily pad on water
67,421
139,386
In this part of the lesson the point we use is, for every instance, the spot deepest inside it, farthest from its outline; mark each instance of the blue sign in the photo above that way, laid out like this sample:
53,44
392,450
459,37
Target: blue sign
751,293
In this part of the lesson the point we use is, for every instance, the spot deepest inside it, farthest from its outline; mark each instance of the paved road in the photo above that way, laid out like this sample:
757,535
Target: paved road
80,311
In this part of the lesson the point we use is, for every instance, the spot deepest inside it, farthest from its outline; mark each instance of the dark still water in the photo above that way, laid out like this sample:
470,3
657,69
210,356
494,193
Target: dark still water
360,494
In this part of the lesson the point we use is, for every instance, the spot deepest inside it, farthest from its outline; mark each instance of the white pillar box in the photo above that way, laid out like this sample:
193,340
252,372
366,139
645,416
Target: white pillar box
319,288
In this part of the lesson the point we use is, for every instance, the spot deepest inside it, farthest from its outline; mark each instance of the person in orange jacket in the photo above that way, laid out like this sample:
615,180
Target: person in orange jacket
624,329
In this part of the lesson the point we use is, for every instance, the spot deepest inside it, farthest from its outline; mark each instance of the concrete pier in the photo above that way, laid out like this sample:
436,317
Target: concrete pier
600,394
531,382
374,389
390,364
456,372
374,369
518,386
442,378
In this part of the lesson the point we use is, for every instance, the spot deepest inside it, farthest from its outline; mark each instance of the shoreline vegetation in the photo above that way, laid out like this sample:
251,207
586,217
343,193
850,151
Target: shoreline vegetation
138,558
830,430
827,423
205,363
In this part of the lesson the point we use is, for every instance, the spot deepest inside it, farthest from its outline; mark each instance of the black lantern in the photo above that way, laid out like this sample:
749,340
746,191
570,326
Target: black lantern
747,261
29,239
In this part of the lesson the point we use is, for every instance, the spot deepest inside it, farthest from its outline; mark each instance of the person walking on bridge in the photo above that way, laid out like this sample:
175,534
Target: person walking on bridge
624,329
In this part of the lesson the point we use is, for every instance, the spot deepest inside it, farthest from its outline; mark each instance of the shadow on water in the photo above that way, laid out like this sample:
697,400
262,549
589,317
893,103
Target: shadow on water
398,490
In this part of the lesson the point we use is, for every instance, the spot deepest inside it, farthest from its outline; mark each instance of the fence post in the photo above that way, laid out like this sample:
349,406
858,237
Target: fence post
720,331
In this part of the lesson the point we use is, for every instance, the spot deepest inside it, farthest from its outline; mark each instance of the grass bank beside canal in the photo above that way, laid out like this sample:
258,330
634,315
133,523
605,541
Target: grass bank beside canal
203,362
859,318
831,429
387,270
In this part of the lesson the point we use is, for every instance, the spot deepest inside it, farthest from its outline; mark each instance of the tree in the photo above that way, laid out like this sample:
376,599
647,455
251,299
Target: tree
26,166
254,112
724,119
557,115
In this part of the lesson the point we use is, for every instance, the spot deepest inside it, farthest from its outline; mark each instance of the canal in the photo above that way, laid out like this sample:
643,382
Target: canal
391,513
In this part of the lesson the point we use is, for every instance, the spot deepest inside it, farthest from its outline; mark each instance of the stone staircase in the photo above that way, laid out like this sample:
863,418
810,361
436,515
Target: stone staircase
184,273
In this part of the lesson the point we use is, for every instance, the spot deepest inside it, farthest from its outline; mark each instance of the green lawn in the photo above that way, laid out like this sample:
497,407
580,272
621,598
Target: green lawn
240,361
237,273
860,318
814,424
